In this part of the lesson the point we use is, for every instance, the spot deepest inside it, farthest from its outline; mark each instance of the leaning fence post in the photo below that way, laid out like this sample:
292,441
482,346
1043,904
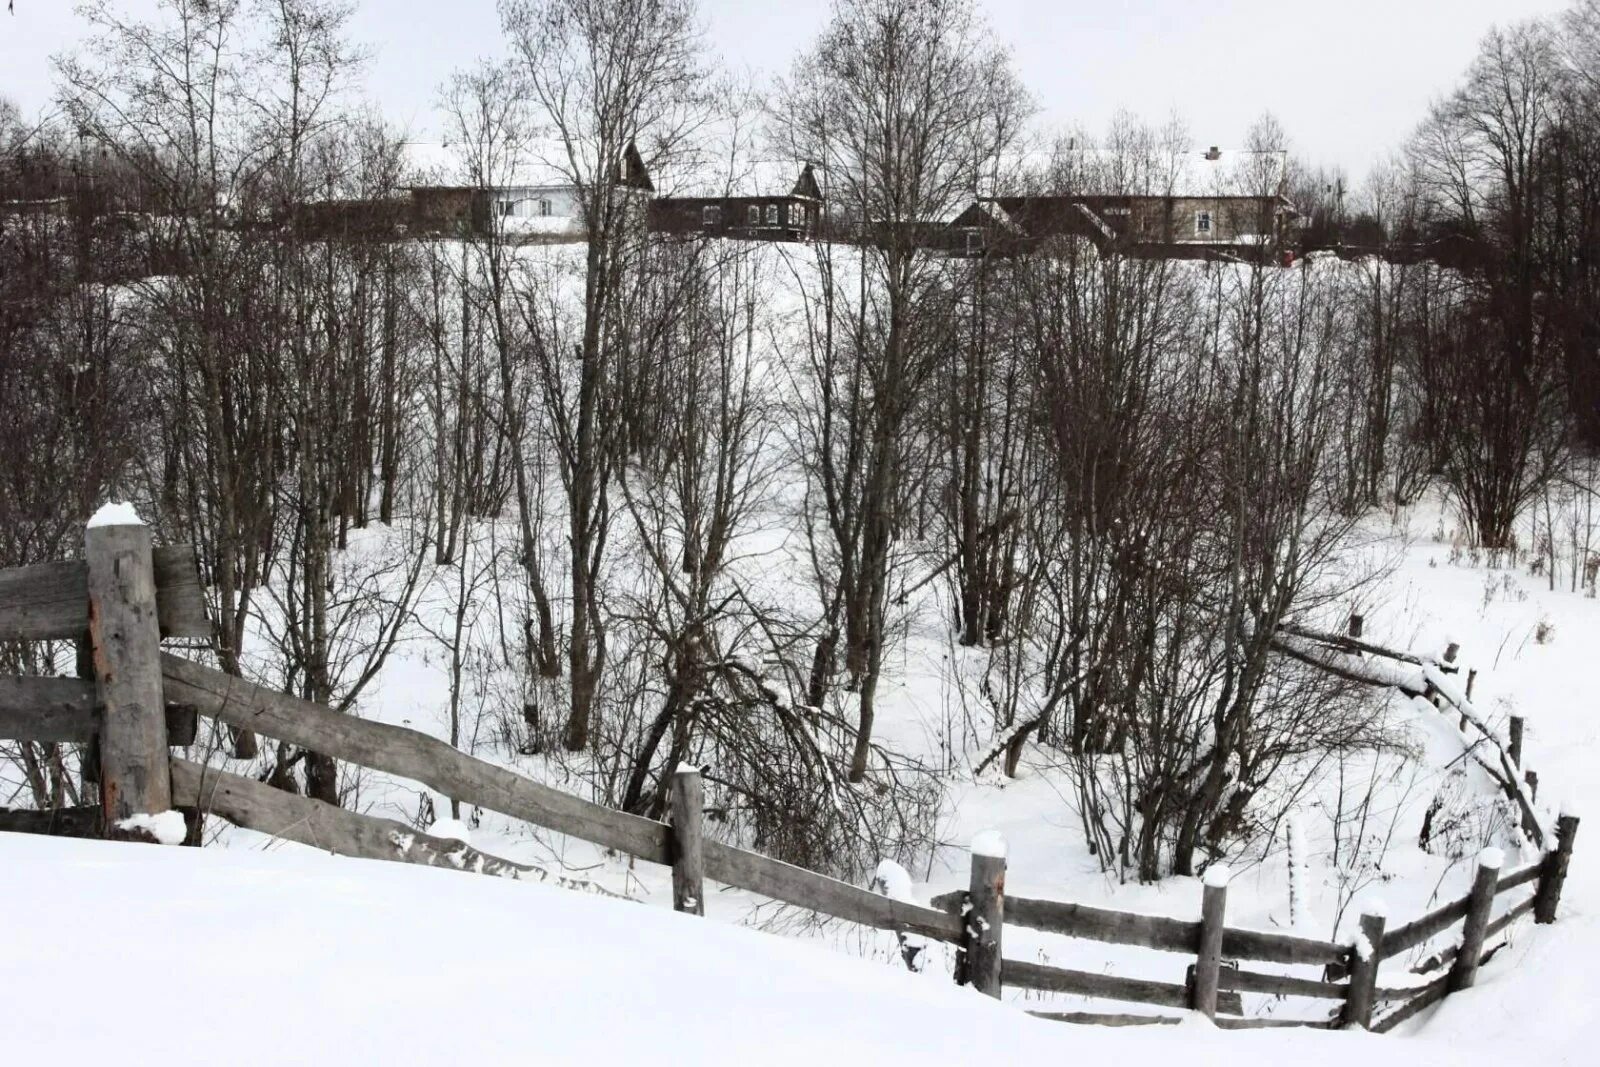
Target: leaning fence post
1465,970
125,641
1364,962
688,853
1554,872
1208,965
985,914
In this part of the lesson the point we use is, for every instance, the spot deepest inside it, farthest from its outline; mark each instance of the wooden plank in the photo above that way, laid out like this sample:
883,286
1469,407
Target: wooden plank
1419,930
1427,995
1281,948
256,806
795,885
1102,924
1281,985
1512,915
57,822
1096,1018
50,601
126,643
1530,873
1089,984
1225,1023
410,754
47,709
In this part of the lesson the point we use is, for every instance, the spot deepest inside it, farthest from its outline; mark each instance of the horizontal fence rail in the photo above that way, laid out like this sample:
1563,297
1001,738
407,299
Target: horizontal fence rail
50,601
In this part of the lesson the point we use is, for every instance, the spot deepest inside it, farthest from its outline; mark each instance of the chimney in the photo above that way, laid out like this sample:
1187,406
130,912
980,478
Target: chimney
1214,154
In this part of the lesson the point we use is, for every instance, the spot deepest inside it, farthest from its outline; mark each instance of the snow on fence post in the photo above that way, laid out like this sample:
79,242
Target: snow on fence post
1208,964
981,948
1481,901
125,642
688,852
1364,959
1554,873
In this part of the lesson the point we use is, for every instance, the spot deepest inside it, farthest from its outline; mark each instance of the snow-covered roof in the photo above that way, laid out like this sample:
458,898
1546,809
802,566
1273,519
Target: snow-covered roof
1192,172
709,177
537,165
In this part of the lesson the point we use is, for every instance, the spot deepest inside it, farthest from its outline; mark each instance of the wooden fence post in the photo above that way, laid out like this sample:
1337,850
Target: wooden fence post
1554,872
1514,750
1364,962
125,640
1208,965
688,852
985,914
1464,972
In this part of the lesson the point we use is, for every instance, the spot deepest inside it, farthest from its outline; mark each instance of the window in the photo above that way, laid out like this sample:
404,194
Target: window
755,214
1202,223
544,208
772,214
711,217
507,208
974,240
797,216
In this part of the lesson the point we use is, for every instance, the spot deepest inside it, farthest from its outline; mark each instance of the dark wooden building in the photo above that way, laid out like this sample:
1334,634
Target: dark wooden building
745,211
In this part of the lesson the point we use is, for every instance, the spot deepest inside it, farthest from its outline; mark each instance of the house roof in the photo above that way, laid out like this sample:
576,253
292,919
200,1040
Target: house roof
537,164
1192,172
746,178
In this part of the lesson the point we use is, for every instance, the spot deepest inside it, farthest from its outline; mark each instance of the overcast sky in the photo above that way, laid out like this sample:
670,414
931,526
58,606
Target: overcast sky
1348,79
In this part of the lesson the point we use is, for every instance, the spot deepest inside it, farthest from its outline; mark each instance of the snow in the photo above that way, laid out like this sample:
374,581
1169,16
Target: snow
1217,876
115,514
1492,858
167,827
894,882
990,843
451,830
350,956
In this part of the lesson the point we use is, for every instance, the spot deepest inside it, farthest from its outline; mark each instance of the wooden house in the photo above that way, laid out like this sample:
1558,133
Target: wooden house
751,207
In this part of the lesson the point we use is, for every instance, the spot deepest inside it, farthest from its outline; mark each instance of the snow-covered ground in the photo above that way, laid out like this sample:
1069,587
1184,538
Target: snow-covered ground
143,955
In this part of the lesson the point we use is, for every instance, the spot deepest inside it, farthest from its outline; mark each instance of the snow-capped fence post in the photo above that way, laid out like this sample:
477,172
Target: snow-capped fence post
1364,972
1208,964
688,852
1479,903
1554,873
125,640
980,948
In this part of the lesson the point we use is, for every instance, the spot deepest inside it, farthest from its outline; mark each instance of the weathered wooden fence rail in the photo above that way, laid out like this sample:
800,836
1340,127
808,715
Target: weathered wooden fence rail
124,598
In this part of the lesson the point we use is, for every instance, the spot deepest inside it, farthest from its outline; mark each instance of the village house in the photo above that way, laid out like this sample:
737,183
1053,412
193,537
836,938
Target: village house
532,198
1196,204
749,207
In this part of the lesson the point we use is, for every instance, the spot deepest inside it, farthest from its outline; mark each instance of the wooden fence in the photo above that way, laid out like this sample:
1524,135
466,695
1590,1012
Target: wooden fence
124,598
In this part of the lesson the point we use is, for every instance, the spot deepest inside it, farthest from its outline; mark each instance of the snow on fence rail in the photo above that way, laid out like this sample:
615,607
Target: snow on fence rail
125,597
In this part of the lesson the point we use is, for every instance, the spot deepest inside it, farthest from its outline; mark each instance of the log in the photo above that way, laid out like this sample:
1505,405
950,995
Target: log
126,642
49,601
1415,932
1530,873
411,754
56,822
1225,1023
288,816
789,884
1464,973
1090,984
47,710
1213,908
1364,973
1102,924
1554,873
1428,995
1282,948
981,945
688,856
1283,985
1095,1018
